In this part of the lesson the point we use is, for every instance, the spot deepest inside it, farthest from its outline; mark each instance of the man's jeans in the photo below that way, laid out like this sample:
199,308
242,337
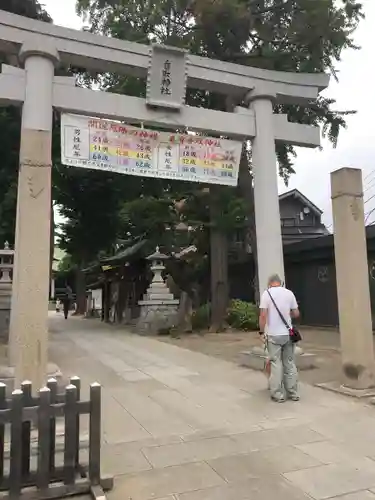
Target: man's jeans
284,378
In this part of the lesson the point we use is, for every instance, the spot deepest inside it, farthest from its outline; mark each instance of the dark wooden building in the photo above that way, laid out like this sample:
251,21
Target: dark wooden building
300,218
310,272
309,262
122,279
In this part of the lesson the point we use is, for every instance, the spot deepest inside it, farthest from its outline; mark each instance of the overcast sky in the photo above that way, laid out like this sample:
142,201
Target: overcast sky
356,147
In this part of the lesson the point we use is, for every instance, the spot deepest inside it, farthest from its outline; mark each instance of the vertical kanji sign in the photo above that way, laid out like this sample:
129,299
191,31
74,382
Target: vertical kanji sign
166,80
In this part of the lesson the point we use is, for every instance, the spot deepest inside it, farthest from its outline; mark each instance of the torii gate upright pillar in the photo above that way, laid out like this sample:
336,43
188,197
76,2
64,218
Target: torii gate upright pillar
266,199
28,339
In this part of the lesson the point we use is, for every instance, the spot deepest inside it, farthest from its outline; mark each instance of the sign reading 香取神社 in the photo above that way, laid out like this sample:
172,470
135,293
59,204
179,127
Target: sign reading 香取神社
108,145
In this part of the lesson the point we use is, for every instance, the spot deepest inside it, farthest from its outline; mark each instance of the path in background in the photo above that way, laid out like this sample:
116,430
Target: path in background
180,425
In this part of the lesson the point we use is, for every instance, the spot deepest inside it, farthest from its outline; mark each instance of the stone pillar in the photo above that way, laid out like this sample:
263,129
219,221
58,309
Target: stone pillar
266,197
352,277
28,325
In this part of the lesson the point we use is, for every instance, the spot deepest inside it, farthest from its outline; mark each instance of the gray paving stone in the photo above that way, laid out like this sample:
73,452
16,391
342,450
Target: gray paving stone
193,451
280,423
187,409
157,483
161,441
335,479
260,463
122,459
144,387
327,452
208,434
261,440
273,487
150,415
359,495
117,425
133,376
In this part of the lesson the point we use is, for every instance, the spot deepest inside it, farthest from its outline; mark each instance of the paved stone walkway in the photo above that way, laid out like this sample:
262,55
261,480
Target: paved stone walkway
180,425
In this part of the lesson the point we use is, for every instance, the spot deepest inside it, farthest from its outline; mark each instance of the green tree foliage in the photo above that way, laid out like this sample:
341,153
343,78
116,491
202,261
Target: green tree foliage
89,205
10,126
150,217
89,202
28,8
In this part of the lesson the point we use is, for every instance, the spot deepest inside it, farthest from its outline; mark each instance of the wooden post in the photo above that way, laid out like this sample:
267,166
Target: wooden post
44,452
52,386
15,475
71,432
95,432
3,406
76,381
26,388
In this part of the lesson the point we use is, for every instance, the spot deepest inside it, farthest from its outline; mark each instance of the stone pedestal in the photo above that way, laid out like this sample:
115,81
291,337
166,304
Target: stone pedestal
158,307
352,277
157,316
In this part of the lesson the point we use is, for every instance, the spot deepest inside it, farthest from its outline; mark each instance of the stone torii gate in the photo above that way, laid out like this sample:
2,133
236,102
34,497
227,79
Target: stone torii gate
40,47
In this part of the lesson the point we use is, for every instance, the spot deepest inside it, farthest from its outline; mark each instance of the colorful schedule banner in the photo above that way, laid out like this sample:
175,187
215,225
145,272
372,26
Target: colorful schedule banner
108,145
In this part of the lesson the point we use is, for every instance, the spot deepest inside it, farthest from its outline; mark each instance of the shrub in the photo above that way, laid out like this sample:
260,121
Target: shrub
200,319
242,315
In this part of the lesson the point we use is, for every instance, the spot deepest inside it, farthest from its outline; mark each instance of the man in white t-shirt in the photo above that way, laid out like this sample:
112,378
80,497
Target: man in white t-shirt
283,378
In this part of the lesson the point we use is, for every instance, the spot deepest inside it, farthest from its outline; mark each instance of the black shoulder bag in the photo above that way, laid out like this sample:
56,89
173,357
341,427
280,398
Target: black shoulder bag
294,334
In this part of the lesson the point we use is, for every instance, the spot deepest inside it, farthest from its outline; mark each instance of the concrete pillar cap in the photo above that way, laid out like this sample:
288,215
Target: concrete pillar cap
346,182
262,93
42,48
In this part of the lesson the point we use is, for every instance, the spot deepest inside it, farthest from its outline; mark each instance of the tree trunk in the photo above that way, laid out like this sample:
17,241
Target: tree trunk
246,188
185,311
80,291
219,265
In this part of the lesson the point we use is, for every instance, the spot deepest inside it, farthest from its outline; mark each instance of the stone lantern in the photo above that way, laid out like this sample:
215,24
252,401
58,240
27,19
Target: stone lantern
158,307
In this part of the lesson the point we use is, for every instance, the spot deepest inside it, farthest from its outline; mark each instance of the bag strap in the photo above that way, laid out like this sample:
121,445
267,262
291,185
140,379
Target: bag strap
279,312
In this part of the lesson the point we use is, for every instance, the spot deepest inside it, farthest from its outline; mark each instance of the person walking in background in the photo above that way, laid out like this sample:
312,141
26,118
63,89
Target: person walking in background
67,300
58,305
276,301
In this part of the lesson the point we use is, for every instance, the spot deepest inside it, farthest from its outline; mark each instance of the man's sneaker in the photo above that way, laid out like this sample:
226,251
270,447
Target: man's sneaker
294,398
278,400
